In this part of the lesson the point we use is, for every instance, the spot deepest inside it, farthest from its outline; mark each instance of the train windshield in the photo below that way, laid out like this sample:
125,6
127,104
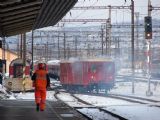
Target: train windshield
105,67
18,71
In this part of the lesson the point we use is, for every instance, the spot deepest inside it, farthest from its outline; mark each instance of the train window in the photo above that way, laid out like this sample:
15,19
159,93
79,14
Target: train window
93,68
77,69
18,71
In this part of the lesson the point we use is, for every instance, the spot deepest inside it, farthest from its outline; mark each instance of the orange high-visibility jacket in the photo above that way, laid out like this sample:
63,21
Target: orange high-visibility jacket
41,79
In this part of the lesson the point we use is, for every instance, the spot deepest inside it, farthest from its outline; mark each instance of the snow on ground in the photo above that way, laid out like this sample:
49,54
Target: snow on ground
130,111
30,96
103,101
125,88
26,96
6,95
140,87
96,114
136,112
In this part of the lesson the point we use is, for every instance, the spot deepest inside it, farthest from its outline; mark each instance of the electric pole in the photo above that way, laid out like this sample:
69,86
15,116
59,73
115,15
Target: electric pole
76,46
21,45
109,32
64,45
58,47
137,38
132,42
148,92
24,57
32,50
102,40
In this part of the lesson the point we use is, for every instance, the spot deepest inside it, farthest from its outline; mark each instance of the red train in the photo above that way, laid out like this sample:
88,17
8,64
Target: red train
16,80
54,68
87,75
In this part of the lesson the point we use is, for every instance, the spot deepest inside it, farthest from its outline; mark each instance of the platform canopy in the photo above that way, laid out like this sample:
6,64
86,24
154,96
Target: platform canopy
19,16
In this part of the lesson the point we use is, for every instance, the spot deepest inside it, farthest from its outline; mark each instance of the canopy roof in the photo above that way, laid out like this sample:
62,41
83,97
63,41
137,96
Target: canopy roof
19,16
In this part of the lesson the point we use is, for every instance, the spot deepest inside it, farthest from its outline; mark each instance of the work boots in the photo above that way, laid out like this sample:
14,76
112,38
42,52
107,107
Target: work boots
37,107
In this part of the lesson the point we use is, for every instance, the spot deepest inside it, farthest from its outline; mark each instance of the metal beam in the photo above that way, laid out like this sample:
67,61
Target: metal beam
19,24
7,2
100,7
21,6
44,14
63,11
19,16
9,33
19,20
84,20
155,8
20,11
20,27
53,12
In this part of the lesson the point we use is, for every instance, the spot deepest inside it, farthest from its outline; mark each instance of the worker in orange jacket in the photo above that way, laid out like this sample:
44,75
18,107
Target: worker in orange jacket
41,81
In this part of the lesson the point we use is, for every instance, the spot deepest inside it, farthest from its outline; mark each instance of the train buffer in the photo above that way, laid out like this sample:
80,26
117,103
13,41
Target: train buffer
25,110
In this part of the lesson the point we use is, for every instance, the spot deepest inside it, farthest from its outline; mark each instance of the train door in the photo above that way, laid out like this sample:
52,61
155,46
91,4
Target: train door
18,70
78,75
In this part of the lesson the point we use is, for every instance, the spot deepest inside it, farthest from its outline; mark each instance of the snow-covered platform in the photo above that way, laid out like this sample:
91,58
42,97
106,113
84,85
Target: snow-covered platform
25,110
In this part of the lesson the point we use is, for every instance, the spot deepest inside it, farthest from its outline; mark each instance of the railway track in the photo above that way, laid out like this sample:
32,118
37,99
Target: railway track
91,106
106,108
129,78
139,100
133,99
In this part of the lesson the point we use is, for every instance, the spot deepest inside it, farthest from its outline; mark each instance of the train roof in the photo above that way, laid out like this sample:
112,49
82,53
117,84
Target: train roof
88,60
98,60
53,62
18,61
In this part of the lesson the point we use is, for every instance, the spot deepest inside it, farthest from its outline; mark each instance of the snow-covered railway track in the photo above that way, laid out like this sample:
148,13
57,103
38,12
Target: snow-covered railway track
129,78
124,107
128,98
136,100
133,99
89,107
99,109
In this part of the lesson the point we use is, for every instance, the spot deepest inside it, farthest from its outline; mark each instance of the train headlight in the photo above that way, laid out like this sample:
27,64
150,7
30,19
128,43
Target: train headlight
92,77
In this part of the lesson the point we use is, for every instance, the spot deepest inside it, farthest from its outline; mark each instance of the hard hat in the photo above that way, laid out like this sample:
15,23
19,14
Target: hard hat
40,65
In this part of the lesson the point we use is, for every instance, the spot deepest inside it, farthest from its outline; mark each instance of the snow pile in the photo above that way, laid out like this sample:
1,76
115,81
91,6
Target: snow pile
4,94
26,96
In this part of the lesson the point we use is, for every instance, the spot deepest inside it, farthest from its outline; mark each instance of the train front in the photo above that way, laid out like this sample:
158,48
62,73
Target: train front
19,76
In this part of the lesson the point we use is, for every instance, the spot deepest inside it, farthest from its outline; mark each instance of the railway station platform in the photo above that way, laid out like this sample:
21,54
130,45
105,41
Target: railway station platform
26,110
